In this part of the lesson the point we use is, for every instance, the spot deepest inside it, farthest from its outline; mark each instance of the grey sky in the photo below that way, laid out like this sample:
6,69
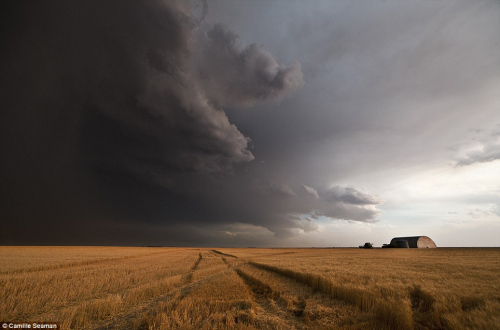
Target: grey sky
276,123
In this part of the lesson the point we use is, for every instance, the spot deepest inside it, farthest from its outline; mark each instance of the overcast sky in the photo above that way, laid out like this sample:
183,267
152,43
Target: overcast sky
249,123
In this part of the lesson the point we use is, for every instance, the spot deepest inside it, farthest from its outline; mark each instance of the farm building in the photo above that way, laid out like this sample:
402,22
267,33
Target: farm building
421,242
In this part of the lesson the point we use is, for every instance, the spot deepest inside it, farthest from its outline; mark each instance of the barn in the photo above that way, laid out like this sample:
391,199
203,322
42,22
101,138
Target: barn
421,242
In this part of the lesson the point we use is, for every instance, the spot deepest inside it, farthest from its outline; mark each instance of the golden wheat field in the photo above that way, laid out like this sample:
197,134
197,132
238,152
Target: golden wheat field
202,288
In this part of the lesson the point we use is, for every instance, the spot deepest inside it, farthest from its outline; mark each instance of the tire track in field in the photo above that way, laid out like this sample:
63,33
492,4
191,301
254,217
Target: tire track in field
224,254
272,314
356,298
235,261
188,278
126,320
54,311
311,308
123,292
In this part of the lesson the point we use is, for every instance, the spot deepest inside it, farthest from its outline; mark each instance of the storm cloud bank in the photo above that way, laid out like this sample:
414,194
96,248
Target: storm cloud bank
485,149
114,129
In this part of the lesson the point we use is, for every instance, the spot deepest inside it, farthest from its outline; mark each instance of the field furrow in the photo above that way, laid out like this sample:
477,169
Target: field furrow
35,294
220,300
310,308
390,311
188,278
133,317
270,314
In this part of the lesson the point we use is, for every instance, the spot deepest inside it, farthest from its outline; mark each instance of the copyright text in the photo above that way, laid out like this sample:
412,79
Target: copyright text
31,325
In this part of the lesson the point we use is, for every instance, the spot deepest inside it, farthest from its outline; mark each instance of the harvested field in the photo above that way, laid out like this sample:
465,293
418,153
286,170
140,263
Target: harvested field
202,288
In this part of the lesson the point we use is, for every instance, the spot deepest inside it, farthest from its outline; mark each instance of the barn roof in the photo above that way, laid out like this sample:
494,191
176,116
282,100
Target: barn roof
416,241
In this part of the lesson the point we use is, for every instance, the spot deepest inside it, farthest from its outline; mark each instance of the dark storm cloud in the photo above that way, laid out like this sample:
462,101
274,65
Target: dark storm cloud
311,191
131,119
382,80
347,195
123,71
234,74
279,189
345,203
488,153
112,118
487,150
350,195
